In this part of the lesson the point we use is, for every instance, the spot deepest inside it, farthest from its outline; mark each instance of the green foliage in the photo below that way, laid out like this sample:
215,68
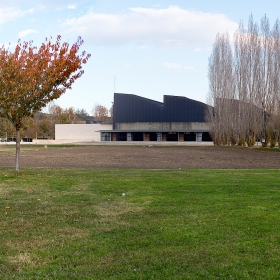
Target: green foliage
82,114
139,224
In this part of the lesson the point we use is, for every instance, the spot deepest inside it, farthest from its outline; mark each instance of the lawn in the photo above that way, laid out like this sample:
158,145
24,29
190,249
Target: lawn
139,224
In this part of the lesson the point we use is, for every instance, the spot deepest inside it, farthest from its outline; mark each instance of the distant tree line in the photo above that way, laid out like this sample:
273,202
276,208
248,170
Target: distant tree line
244,85
42,125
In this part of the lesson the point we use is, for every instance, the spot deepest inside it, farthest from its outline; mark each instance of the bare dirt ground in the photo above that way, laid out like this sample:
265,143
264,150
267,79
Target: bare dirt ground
150,157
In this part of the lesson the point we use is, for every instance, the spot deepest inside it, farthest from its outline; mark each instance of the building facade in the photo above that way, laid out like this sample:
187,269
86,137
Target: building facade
140,119
71,133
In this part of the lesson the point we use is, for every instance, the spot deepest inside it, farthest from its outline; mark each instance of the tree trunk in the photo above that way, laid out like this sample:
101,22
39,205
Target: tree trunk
17,150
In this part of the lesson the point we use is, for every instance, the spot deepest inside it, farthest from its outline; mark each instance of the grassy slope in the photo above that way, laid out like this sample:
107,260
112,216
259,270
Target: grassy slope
170,224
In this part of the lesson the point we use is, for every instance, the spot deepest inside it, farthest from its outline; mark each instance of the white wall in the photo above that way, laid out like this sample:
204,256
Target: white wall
80,132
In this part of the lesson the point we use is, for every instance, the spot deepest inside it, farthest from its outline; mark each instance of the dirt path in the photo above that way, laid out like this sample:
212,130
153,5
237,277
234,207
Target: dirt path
154,157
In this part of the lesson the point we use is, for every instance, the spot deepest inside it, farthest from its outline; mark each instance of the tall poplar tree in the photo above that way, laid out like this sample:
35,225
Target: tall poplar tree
244,85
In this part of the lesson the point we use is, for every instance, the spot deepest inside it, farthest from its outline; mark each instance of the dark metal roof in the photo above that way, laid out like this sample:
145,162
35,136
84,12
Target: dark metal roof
129,108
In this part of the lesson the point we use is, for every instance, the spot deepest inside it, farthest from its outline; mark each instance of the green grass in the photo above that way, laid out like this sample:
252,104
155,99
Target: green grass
170,224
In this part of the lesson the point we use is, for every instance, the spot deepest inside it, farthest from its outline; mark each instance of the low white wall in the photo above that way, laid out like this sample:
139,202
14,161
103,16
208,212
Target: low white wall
80,132
54,142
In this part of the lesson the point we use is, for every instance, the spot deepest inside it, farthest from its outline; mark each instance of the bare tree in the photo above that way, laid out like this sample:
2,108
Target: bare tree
244,86
221,90
247,67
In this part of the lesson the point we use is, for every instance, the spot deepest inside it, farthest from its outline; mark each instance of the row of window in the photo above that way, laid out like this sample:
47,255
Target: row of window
155,136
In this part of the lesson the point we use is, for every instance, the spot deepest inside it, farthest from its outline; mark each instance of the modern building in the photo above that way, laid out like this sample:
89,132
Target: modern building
72,133
140,119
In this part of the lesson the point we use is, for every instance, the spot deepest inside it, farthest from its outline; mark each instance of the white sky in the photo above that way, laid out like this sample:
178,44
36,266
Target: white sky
151,47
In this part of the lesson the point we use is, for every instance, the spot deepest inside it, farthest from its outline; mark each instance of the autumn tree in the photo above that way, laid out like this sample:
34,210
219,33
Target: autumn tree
100,113
41,126
31,77
6,129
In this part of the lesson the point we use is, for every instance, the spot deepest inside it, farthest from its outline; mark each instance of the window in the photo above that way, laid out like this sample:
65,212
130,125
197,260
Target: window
172,136
137,136
159,137
206,137
121,136
153,136
189,136
105,136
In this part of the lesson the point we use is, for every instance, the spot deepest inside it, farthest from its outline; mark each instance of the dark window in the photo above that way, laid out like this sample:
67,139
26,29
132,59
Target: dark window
153,136
26,139
137,136
206,137
172,136
189,136
121,136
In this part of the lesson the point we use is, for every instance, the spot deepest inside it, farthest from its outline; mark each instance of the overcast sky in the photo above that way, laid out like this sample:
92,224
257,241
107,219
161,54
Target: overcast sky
149,48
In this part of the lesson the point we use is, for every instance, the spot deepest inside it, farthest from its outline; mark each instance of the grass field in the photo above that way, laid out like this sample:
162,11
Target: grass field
139,224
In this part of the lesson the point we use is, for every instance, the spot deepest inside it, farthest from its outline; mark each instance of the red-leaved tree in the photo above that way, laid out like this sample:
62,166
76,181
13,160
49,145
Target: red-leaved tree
31,77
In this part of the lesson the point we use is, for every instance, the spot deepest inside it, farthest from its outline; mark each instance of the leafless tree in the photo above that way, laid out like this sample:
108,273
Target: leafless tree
244,85
247,70
221,89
